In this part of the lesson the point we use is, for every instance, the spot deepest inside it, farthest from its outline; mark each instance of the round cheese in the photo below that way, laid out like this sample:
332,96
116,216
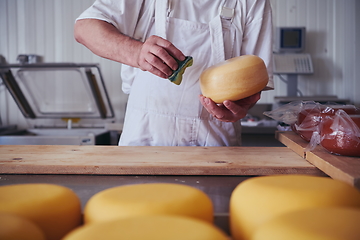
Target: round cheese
14,227
149,227
55,209
312,224
146,199
234,79
259,199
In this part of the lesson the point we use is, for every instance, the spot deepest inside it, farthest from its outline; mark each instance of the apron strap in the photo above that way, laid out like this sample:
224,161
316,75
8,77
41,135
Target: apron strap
161,8
228,10
217,39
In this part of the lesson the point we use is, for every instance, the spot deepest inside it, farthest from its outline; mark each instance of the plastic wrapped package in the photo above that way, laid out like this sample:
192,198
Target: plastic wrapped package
311,116
302,116
340,133
287,113
306,119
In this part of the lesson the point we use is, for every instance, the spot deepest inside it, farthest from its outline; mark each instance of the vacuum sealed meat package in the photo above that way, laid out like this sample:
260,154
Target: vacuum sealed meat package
340,133
333,126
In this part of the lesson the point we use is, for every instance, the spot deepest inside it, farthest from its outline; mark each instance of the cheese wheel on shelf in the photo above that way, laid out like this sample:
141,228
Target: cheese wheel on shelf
312,224
147,199
55,209
260,199
149,227
14,227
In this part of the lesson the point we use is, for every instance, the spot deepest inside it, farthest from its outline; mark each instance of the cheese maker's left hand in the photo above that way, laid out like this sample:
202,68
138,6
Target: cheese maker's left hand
230,111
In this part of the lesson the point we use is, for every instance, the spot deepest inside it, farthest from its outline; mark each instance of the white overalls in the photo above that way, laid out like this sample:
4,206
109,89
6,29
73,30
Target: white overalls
160,113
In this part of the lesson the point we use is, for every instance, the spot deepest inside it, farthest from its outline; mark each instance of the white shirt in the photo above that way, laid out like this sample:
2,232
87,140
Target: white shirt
249,31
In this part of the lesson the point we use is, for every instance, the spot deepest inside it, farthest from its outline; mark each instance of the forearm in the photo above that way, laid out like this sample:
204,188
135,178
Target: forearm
156,55
104,40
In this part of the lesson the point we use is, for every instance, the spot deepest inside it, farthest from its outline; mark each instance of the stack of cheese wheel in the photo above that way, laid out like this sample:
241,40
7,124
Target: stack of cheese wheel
260,199
148,199
55,209
149,211
149,227
335,223
14,227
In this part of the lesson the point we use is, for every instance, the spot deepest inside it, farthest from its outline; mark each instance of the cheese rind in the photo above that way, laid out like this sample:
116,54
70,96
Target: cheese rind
14,227
260,199
150,227
55,209
312,224
148,199
234,79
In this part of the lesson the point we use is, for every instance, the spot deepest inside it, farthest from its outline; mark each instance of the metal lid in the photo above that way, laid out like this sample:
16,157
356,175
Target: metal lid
58,90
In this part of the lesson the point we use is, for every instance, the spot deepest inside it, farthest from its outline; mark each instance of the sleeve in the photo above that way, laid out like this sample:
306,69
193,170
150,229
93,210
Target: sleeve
122,14
258,34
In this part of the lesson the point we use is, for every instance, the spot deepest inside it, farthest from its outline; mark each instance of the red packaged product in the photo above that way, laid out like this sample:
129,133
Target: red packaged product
312,114
340,133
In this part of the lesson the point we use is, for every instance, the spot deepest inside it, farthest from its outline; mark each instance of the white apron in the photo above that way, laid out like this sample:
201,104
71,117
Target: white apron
160,113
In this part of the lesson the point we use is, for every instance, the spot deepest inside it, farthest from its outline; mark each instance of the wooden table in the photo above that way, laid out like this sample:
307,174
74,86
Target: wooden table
114,160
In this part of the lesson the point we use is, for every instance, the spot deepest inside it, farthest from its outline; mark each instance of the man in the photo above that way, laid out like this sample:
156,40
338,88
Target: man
149,36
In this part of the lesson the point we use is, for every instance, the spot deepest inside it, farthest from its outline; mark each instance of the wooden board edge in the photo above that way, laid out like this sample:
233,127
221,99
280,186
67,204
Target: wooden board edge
331,170
186,171
290,143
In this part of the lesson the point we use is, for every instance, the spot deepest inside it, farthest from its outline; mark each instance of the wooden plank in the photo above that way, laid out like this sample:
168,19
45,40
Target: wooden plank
152,160
343,168
292,141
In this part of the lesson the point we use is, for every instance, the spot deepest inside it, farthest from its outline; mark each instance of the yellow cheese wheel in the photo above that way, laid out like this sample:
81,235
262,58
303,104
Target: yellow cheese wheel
234,79
14,227
150,227
55,209
145,199
259,199
312,224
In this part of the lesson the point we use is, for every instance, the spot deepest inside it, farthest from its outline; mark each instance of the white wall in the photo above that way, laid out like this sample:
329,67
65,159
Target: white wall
45,27
331,40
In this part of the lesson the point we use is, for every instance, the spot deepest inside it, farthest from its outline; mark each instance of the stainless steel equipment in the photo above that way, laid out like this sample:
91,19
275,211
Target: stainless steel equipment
64,103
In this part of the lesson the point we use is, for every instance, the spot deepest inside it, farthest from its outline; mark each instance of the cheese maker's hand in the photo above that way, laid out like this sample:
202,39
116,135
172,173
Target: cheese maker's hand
157,55
230,111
